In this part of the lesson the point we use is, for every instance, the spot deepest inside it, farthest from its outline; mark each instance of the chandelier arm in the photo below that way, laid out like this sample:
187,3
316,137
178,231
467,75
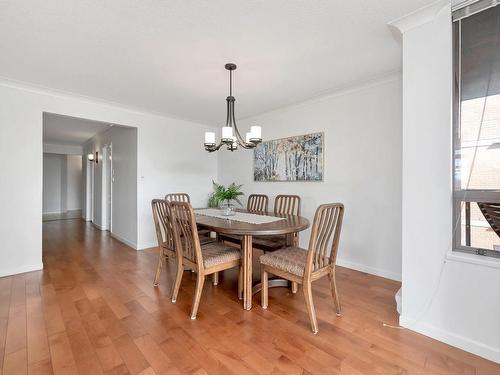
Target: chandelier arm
214,148
240,139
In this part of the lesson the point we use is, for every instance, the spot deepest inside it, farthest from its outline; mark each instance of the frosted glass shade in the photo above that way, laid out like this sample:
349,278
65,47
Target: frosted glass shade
90,157
256,132
209,138
227,133
248,137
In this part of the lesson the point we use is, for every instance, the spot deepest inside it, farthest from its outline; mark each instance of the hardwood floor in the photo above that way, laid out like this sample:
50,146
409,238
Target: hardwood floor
94,310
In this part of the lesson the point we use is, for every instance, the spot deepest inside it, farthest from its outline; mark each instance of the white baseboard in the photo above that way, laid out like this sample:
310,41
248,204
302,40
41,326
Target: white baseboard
367,269
61,212
147,245
97,226
450,338
22,269
127,242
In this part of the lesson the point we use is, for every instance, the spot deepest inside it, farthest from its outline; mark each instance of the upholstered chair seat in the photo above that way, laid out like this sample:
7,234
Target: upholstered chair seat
216,253
290,259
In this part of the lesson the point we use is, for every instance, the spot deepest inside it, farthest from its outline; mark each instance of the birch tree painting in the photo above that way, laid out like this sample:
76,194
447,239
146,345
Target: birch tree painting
297,158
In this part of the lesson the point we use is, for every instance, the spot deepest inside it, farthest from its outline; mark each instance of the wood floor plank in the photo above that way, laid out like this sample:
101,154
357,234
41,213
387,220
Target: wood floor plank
107,354
86,359
61,354
16,339
132,356
94,310
37,341
153,354
16,363
5,292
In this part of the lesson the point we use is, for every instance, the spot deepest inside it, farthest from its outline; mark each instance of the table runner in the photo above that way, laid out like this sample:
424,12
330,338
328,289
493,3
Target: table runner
240,216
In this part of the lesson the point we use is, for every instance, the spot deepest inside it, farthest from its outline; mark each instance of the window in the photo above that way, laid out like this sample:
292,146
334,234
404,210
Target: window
476,129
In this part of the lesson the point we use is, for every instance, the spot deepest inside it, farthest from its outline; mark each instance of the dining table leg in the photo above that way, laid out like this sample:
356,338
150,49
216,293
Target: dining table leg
247,253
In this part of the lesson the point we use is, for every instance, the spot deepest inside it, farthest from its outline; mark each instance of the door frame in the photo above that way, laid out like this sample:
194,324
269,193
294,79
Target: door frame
107,187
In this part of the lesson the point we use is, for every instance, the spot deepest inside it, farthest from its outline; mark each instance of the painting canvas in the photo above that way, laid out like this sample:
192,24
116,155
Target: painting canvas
297,158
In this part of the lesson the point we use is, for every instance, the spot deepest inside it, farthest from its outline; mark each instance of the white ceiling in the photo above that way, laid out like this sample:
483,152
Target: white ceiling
70,131
168,56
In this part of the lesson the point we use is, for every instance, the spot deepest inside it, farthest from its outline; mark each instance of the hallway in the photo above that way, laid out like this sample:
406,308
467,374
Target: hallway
94,310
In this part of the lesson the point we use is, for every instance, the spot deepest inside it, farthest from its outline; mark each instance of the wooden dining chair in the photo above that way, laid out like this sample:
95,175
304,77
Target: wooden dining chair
184,197
305,266
178,197
164,234
206,260
283,205
257,202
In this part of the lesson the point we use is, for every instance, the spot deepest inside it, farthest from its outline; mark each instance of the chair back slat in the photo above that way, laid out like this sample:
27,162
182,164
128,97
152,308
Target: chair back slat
257,202
178,197
185,231
325,235
287,205
163,224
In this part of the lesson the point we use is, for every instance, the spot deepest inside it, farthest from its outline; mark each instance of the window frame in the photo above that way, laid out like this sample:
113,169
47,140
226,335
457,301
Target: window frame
460,195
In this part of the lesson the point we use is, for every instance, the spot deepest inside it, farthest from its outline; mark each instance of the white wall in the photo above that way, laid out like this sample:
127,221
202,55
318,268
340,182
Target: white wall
452,298
62,176
170,158
53,182
62,149
124,214
362,129
74,182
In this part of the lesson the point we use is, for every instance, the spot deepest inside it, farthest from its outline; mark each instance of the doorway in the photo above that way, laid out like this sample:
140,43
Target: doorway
108,156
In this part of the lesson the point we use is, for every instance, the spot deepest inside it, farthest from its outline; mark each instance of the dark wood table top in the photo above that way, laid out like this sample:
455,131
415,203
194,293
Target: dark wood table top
290,224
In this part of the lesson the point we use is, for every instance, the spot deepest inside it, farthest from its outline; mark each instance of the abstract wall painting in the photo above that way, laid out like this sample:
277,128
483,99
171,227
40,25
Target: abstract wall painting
298,158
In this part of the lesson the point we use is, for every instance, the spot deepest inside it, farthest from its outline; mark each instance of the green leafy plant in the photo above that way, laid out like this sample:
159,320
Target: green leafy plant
221,194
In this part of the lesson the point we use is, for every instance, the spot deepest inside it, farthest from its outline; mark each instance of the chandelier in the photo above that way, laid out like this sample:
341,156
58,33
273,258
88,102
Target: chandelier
231,136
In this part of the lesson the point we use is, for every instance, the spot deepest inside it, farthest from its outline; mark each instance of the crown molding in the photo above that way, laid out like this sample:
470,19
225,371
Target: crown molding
332,93
43,90
420,16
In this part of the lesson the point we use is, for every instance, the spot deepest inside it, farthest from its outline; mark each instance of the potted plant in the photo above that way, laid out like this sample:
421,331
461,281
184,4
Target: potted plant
224,196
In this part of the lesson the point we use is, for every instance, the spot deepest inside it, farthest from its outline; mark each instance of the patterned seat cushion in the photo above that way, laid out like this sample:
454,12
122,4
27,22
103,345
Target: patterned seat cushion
289,259
216,253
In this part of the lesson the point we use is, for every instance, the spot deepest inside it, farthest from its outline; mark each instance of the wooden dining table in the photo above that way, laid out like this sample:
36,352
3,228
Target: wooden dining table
289,224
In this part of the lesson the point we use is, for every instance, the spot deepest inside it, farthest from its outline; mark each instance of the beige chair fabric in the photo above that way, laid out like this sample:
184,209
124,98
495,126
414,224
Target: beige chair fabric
290,259
216,253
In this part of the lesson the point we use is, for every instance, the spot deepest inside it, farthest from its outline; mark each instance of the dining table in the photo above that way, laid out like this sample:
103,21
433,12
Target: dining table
248,224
